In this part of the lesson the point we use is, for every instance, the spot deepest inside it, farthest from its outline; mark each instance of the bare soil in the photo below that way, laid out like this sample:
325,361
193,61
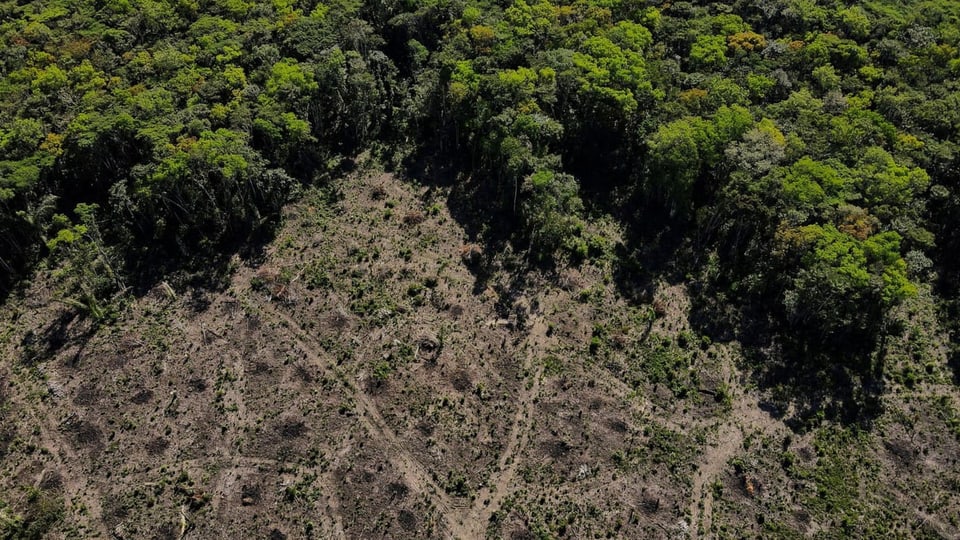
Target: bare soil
360,381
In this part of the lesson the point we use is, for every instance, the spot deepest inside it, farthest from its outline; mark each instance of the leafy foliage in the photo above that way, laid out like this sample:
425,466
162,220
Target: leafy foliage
811,145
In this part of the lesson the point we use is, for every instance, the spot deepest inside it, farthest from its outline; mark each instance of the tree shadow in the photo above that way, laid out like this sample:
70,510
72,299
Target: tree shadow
475,205
953,361
804,387
68,327
948,288
210,270
653,252
805,379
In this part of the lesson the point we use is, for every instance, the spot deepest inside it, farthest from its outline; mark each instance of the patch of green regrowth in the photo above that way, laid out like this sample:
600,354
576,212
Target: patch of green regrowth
552,365
41,511
456,484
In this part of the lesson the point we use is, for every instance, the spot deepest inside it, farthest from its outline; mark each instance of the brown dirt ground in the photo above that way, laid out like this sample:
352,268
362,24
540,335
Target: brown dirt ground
357,382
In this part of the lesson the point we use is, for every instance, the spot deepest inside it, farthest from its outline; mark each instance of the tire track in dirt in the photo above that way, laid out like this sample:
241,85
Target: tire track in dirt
460,522
745,418
368,413
77,488
237,461
712,464
491,496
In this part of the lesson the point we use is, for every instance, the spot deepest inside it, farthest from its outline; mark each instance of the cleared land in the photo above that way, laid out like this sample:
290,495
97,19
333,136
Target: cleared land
373,374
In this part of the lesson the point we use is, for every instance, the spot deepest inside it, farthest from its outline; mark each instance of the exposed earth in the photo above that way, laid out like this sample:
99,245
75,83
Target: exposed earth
375,374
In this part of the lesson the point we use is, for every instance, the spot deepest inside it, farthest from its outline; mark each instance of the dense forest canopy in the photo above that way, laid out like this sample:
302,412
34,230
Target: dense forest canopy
807,149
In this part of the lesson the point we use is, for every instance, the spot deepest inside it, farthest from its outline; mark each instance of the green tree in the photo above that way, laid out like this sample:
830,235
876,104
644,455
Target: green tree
709,52
677,151
88,270
551,213
844,286
210,190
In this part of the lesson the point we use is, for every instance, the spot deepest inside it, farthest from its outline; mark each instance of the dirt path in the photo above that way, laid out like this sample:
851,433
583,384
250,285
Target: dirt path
490,497
418,478
745,418
712,464
462,522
